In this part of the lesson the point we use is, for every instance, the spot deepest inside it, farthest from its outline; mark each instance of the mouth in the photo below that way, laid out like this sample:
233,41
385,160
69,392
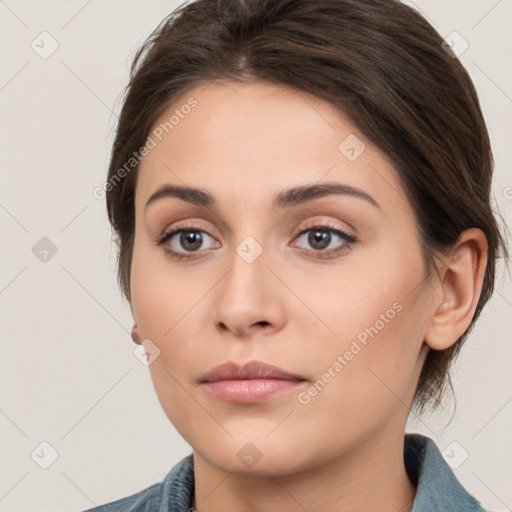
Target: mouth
251,383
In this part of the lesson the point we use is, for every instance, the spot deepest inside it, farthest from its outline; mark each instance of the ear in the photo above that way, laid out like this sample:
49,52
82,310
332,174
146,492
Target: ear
135,330
460,285
135,334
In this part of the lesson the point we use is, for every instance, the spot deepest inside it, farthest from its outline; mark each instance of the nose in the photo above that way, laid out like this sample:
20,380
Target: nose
250,299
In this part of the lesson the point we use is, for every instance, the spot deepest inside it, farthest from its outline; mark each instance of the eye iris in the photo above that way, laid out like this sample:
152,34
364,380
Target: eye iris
193,237
319,236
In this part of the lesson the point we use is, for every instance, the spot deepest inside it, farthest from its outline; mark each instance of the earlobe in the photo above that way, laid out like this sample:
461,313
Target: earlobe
135,334
137,339
460,285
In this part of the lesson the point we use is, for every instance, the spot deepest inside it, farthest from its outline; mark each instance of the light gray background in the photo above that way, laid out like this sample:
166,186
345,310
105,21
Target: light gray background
68,373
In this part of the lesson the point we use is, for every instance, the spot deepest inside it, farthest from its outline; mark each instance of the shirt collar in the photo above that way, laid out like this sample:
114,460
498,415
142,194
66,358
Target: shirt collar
438,489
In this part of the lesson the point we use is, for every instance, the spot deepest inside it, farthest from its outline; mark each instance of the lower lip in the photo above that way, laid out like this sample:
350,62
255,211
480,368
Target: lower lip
249,391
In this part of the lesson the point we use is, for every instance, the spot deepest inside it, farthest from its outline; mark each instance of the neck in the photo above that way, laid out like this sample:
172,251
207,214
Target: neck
371,476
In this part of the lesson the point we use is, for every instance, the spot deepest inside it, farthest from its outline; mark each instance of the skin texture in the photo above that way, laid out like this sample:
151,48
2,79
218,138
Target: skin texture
343,450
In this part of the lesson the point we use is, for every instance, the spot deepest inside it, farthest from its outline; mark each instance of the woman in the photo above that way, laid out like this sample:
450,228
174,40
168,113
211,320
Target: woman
301,197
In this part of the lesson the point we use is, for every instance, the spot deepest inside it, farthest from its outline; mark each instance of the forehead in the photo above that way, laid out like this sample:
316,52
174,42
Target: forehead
246,142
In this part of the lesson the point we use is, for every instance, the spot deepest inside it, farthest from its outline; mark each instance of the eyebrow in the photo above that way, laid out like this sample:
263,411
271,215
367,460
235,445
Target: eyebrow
286,198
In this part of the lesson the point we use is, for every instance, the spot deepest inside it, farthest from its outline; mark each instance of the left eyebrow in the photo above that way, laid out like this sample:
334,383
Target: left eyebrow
286,198
298,195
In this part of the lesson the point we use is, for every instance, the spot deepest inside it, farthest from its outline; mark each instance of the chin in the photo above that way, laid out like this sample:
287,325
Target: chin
256,456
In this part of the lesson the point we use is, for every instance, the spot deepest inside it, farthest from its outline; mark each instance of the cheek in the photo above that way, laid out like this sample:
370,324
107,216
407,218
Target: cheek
369,295
159,298
176,396
377,312
169,309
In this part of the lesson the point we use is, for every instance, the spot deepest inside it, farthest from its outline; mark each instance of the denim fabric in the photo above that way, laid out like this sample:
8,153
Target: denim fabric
438,489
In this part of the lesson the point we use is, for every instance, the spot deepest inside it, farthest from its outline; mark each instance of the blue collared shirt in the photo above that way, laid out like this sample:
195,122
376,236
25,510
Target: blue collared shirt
437,490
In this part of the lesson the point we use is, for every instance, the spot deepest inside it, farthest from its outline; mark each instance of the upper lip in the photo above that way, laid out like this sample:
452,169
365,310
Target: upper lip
250,370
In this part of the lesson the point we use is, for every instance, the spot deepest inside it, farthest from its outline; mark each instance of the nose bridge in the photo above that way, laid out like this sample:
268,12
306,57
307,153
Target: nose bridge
245,283
247,294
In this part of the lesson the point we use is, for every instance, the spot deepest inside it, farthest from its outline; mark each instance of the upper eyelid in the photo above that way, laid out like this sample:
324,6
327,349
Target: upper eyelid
319,220
320,225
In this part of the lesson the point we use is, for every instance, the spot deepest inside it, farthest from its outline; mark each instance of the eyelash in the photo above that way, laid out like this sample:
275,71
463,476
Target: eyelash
321,254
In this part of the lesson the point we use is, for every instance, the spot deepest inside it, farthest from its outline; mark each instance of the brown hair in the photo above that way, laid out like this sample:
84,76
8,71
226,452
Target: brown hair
379,62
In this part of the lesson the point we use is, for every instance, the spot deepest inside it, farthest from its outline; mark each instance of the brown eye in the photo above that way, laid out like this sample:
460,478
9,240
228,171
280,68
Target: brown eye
181,241
190,240
325,239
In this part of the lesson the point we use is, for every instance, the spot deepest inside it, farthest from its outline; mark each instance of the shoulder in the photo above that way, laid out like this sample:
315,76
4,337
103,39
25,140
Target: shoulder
437,486
173,494
142,501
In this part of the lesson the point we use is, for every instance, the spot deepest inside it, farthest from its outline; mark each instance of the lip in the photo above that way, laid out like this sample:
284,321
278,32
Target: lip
253,382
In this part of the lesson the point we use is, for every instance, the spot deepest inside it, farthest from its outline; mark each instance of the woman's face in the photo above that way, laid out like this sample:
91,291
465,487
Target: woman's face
345,313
